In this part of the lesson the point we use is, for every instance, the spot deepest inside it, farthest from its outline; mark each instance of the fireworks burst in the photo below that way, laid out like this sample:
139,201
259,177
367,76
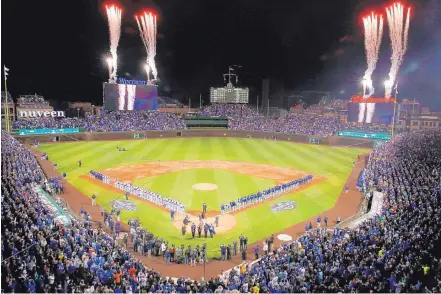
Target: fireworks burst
147,29
114,20
373,33
399,31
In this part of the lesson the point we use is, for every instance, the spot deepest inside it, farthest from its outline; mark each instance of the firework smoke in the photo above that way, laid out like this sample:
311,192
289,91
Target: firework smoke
114,21
131,95
121,96
147,29
373,33
398,31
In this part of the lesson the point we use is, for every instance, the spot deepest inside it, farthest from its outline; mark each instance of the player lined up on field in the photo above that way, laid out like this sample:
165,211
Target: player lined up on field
167,203
264,195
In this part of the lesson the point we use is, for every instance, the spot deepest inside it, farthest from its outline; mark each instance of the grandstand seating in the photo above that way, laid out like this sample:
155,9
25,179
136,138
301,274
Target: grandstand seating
396,250
166,102
32,101
109,121
10,100
230,110
303,124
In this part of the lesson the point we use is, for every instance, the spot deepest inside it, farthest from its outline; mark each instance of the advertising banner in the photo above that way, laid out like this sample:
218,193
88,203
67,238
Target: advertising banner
24,132
378,136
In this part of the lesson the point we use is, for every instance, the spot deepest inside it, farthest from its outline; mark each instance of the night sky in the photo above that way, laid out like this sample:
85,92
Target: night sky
57,48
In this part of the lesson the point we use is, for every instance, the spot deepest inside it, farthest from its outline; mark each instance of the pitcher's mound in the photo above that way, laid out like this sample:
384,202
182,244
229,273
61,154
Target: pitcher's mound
204,186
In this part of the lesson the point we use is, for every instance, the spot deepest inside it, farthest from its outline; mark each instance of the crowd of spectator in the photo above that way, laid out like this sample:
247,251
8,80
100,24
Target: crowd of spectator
315,108
166,102
303,124
230,110
32,101
338,104
398,250
371,128
241,117
4,97
109,122
54,185
39,255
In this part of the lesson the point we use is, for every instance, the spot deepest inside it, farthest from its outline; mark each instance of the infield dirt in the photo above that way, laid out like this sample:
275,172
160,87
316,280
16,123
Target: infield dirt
130,172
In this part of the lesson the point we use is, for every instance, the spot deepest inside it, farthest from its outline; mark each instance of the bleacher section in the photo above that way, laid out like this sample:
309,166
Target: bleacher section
32,102
230,110
166,102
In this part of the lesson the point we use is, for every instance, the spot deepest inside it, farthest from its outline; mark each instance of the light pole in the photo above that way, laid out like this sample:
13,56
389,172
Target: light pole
395,104
78,113
109,65
5,71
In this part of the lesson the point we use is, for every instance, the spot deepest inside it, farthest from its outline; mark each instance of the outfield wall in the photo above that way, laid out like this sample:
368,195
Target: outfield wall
332,141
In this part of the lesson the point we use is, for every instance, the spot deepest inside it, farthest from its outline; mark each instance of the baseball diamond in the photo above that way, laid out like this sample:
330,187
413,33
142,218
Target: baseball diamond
238,167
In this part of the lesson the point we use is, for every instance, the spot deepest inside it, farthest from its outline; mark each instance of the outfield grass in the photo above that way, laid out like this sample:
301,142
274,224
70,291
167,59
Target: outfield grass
256,223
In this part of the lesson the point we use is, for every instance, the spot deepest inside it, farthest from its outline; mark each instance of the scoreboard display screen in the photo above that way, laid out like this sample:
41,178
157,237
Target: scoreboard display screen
130,97
378,113
229,94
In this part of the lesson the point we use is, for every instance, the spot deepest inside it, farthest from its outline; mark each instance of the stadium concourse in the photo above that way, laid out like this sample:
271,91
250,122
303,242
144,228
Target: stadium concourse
397,250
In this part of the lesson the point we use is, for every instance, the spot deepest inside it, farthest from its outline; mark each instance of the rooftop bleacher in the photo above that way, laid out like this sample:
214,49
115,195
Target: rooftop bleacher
10,100
166,102
32,101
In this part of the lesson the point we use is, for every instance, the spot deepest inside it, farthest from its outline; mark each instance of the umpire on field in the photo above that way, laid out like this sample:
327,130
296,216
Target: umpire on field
184,230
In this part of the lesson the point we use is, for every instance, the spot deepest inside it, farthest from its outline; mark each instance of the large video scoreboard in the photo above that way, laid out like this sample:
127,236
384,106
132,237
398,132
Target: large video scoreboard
229,94
371,110
130,97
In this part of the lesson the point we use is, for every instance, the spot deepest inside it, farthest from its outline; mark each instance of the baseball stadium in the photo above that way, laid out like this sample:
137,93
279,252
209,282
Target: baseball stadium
243,193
